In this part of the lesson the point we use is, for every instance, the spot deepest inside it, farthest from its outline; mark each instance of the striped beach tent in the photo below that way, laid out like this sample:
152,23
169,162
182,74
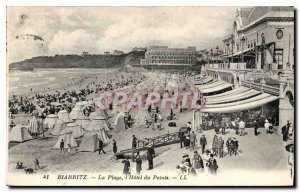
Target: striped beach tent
68,139
50,121
74,128
34,126
58,127
19,133
65,116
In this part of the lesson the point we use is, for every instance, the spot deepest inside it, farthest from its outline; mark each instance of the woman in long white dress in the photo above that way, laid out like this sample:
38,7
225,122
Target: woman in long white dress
267,125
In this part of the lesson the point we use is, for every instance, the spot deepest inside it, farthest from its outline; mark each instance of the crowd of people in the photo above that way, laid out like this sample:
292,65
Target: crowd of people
52,103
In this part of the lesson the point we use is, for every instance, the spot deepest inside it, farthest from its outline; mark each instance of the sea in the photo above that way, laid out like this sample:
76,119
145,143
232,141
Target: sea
45,79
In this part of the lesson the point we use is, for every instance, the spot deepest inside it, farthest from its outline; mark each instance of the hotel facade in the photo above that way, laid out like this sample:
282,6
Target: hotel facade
259,54
261,38
163,55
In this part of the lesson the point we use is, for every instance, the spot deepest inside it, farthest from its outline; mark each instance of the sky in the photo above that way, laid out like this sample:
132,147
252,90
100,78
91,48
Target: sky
72,30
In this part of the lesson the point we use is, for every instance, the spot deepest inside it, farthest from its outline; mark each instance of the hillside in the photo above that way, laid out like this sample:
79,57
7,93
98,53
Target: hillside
77,61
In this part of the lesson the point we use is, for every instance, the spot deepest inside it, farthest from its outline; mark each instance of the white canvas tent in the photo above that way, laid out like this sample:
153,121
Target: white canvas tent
73,127
50,121
141,117
119,121
19,133
76,110
68,139
65,116
82,120
58,127
89,143
99,113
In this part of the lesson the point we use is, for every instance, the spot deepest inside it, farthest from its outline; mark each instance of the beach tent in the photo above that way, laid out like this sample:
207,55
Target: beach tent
172,86
73,127
141,117
119,121
19,133
101,127
82,120
34,126
85,125
99,122
50,121
68,140
58,127
65,116
99,114
89,143
76,110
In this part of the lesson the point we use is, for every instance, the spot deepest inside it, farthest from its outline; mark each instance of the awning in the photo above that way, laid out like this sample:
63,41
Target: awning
204,81
237,107
233,98
217,88
210,85
252,99
232,92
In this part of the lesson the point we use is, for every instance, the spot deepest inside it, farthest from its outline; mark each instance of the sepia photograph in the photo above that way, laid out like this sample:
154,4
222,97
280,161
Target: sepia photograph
150,96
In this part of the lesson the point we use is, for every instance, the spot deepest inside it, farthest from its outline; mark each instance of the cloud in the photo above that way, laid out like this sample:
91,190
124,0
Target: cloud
74,42
71,30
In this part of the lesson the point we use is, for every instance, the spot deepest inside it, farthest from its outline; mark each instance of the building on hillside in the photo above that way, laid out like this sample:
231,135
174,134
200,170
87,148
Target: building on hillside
85,53
107,53
117,52
139,49
163,55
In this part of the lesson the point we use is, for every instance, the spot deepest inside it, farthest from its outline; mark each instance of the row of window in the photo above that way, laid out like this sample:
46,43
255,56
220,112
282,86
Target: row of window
172,62
170,57
170,52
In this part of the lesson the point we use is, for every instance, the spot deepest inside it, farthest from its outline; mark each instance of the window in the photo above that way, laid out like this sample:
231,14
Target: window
279,57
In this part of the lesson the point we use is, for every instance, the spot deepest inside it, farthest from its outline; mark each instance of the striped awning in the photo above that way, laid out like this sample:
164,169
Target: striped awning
201,81
233,98
241,105
219,87
232,92
214,84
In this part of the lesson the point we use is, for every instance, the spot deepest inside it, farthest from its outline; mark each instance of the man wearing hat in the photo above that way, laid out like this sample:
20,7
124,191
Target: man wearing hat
203,143
150,156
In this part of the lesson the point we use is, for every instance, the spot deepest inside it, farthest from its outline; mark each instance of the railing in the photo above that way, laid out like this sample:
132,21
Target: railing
262,87
144,144
162,139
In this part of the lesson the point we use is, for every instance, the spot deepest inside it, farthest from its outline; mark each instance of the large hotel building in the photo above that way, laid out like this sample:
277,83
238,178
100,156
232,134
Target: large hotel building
163,55
259,54
261,38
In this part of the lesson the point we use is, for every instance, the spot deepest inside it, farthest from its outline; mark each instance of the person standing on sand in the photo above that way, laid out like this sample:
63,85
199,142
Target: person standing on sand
138,161
62,144
193,140
255,127
115,149
214,145
126,169
101,146
223,125
134,141
212,165
150,157
36,163
203,143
